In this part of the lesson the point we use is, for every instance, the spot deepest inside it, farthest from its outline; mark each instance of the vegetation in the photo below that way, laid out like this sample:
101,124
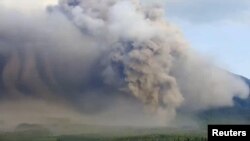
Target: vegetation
25,137
135,138
36,132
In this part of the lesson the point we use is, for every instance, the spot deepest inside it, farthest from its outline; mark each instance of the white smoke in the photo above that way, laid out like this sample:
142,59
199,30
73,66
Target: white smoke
112,48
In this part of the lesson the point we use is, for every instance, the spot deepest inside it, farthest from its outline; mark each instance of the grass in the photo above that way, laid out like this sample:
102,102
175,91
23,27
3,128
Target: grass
27,132
156,137
135,138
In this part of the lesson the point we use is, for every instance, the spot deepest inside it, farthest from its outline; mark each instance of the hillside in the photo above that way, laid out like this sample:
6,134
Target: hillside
239,113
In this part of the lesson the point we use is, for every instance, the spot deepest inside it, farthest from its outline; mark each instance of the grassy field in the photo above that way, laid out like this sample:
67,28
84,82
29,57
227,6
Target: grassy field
135,138
156,137
33,132
88,138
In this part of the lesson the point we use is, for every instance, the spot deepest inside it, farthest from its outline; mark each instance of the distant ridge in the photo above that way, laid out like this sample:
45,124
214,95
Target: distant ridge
239,113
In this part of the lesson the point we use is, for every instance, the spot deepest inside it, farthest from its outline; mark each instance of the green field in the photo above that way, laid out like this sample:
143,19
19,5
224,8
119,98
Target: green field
35,132
100,138
135,138
114,136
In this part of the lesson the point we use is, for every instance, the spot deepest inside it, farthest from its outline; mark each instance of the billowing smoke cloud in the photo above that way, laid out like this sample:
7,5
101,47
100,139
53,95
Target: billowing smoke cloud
119,57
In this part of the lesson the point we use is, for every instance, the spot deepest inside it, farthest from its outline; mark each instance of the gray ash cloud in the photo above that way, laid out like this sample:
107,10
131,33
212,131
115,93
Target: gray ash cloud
106,57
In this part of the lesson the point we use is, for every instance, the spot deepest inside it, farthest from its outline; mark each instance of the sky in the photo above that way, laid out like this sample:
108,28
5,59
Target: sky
219,29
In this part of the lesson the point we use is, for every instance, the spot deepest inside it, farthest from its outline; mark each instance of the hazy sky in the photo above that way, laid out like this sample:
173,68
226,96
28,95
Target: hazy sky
219,29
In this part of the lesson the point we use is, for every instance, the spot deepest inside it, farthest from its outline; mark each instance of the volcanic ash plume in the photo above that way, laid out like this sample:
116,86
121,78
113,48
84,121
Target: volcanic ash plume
92,51
142,48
